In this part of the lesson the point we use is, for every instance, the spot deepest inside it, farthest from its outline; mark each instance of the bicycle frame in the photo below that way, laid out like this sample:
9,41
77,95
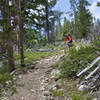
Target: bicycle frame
66,47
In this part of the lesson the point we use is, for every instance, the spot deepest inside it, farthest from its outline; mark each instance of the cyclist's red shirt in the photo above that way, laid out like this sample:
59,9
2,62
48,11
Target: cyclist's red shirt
68,38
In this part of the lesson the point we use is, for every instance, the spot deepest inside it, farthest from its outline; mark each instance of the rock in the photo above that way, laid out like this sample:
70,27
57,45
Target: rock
95,99
54,88
55,71
57,86
83,88
66,98
46,79
51,98
55,74
57,78
44,50
42,88
46,93
97,95
32,90
4,98
19,76
22,98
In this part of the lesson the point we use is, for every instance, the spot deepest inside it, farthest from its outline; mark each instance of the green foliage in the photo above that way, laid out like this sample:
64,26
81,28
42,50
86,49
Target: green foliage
17,56
7,81
30,38
49,46
67,27
77,95
85,18
43,41
74,94
56,65
57,93
82,18
36,56
4,77
76,60
4,69
96,43
98,4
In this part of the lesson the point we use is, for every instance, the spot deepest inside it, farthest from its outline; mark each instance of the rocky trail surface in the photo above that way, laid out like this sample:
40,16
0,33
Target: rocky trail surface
36,81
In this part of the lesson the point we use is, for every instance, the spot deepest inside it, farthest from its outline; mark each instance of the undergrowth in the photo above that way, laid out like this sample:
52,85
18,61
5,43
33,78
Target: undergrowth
7,82
78,59
74,94
72,63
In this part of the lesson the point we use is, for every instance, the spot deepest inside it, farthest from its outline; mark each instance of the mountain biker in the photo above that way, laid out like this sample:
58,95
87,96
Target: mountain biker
69,39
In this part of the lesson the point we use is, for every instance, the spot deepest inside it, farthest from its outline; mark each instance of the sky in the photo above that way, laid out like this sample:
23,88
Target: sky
64,6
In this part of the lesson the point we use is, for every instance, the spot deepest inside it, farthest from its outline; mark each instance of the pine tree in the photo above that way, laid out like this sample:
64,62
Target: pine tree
8,32
98,3
20,32
85,18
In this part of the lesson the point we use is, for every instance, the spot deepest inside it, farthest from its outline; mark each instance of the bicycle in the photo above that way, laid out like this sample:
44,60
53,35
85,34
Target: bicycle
67,46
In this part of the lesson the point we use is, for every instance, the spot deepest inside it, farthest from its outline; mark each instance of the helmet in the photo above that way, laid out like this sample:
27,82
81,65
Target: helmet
66,34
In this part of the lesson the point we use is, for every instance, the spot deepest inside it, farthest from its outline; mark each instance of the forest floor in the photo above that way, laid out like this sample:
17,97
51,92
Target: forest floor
35,81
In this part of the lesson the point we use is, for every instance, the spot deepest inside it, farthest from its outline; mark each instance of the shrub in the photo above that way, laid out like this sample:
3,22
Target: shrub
49,46
96,43
77,60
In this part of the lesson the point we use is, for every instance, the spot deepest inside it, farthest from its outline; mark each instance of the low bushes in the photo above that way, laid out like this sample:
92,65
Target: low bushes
78,59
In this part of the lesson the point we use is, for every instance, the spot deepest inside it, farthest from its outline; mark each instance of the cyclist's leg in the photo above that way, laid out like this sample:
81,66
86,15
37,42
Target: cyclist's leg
70,44
65,48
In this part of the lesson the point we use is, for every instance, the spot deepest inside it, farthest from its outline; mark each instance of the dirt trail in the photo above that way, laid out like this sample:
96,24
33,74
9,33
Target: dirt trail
36,81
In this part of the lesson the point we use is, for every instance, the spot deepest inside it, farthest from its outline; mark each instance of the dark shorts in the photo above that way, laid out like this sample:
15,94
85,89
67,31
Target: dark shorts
70,41
70,44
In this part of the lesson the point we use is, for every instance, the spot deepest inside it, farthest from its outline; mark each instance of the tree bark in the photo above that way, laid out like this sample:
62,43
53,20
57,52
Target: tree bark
20,36
10,43
47,22
10,55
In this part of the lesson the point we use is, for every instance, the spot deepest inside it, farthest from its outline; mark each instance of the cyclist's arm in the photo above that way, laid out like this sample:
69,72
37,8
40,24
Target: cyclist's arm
65,39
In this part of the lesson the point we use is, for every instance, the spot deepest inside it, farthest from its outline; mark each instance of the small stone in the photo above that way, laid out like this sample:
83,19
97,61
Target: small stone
22,98
20,76
51,98
56,78
95,98
32,90
54,88
42,88
46,93
46,79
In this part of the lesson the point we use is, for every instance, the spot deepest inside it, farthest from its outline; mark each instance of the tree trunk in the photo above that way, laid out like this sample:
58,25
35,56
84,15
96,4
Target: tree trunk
47,22
9,44
20,36
10,55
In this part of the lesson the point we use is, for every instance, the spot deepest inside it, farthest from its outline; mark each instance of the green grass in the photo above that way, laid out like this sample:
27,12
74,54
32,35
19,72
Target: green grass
74,94
7,81
70,64
37,55
76,60
49,46
57,93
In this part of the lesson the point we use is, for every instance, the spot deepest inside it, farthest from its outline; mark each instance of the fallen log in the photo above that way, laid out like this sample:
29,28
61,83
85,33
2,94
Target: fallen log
93,72
97,52
87,68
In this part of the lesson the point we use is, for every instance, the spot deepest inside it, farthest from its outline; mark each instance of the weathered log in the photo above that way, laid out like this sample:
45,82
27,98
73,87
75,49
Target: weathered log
93,72
97,52
87,68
